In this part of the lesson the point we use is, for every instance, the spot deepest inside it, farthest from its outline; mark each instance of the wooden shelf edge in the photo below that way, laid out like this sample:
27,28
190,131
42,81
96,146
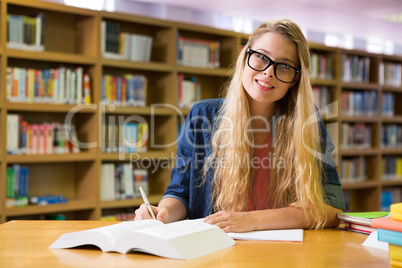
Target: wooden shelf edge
219,72
358,152
149,110
51,56
360,185
54,158
137,156
361,86
134,202
359,119
48,107
391,182
143,66
72,205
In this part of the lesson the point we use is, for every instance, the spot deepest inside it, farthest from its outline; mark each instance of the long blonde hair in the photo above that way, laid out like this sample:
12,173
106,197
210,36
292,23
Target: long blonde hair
298,183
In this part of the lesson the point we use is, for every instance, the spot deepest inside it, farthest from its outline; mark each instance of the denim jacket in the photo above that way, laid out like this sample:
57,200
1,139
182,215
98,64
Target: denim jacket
194,147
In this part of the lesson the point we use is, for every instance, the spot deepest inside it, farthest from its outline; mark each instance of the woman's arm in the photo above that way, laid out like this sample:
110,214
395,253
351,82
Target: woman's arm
169,210
281,218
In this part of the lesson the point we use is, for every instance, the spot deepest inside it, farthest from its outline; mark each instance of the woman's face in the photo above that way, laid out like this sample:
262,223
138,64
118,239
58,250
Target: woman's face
263,86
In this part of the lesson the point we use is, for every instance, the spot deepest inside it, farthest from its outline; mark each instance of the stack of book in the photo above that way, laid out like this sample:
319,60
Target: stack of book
361,222
390,230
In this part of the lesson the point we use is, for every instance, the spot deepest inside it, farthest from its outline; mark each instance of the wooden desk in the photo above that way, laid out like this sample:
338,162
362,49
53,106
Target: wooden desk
25,244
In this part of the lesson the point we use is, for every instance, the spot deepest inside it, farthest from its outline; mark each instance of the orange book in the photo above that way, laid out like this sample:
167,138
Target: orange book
387,223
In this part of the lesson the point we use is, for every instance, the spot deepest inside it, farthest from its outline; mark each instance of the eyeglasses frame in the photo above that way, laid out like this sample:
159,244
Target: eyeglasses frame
271,62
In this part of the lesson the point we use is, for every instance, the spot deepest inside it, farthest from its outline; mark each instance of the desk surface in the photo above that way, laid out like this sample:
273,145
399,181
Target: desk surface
25,244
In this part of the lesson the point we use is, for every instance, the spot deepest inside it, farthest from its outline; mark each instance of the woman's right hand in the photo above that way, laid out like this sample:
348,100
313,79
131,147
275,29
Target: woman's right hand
142,213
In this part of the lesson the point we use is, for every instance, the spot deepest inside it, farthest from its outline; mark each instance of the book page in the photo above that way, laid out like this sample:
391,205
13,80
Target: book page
290,235
102,237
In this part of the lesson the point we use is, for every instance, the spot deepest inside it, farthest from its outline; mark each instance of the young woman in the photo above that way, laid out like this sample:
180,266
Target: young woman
260,158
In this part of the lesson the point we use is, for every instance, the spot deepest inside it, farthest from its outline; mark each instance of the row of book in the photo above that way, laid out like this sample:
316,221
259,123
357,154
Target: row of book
323,99
390,196
390,74
46,138
25,32
62,85
355,69
189,91
122,182
391,168
355,136
322,66
390,230
126,137
119,45
127,90
391,136
388,104
359,103
353,170
198,53
17,186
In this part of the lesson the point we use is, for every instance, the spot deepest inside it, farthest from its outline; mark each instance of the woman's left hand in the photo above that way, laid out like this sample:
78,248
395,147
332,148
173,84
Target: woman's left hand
233,221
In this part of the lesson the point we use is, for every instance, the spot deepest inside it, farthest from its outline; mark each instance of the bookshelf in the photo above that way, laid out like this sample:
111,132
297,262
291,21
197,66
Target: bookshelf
76,37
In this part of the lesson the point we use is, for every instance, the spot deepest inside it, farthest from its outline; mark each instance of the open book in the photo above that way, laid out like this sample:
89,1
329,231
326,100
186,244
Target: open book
186,239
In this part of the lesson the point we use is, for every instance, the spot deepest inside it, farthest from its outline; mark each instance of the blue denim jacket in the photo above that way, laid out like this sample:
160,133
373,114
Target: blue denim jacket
193,148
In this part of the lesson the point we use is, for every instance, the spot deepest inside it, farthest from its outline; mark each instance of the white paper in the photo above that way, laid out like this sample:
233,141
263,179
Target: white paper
292,235
372,241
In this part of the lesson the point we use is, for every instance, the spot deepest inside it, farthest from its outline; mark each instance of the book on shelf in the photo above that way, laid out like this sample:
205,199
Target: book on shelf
61,85
391,136
391,168
198,52
26,32
189,91
17,181
353,170
359,103
355,68
390,196
356,136
388,104
126,90
124,46
122,181
47,138
184,240
390,74
322,66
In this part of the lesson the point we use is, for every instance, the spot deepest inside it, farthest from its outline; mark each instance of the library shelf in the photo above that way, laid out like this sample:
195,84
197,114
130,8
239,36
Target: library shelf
360,185
49,107
391,182
137,156
51,158
70,58
357,152
71,205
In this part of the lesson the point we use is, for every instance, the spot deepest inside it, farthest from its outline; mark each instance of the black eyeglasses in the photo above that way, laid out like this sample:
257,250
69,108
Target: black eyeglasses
260,62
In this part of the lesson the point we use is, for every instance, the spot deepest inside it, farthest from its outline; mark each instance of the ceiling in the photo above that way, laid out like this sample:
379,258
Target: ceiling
361,18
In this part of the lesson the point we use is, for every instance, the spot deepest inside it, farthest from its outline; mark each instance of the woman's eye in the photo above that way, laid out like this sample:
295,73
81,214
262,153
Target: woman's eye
263,57
284,66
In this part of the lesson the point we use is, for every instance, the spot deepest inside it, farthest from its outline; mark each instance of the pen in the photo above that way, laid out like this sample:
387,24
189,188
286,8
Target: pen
147,203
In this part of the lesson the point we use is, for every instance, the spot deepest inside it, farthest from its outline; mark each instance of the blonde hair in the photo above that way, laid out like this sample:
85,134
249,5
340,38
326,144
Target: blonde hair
298,184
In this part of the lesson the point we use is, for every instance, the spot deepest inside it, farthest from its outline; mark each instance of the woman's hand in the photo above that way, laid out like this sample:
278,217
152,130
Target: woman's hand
161,214
233,221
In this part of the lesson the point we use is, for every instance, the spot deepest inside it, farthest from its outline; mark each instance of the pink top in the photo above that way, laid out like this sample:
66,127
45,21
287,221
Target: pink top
262,165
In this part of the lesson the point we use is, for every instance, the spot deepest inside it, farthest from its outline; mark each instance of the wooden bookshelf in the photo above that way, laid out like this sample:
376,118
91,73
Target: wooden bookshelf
72,37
